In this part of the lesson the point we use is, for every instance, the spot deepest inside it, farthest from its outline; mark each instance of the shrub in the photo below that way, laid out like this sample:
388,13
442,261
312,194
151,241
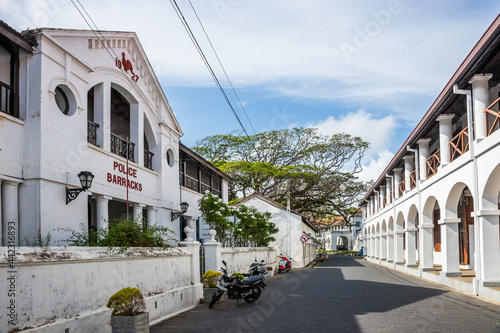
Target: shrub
127,302
238,275
211,278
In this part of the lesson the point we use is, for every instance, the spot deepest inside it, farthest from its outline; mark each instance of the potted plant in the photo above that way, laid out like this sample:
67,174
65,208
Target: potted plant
128,314
210,284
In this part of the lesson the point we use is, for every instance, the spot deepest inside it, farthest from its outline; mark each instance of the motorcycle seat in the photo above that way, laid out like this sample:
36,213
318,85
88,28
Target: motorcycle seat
253,279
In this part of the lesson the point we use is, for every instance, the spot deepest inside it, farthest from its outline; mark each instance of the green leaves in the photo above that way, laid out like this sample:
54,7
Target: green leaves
242,226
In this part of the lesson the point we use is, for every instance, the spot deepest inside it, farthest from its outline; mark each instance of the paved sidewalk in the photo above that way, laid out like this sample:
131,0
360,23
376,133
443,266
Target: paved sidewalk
344,294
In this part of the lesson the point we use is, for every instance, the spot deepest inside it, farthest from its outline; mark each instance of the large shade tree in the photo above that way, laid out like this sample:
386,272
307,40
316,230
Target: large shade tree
317,172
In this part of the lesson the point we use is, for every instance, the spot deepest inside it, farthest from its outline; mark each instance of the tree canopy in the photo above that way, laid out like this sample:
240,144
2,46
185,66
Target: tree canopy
319,171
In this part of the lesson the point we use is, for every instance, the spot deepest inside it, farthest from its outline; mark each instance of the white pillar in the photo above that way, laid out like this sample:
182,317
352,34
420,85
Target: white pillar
151,215
408,170
389,190
137,211
377,246
397,179
213,255
445,135
449,247
382,196
383,247
1,217
137,132
224,190
390,246
411,254
102,114
480,101
423,155
490,242
102,210
10,211
426,247
194,248
398,247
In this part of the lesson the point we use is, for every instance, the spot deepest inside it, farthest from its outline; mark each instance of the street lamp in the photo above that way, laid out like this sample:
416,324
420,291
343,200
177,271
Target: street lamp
184,208
86,178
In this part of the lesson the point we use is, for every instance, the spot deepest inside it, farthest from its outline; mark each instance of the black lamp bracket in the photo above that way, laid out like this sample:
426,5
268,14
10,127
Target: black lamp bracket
175,216
71,194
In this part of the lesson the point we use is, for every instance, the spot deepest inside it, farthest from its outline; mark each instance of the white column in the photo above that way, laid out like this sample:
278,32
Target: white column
490,243
390,246
382,196
445,135
377,246
389,190
102,114
408,170
213,255
137,132
423,155
426,247
194,248
411,254
1,217
480,101
151,215
137,211
397,179
398,247
10,211
449,247
102,211
224,190
383,246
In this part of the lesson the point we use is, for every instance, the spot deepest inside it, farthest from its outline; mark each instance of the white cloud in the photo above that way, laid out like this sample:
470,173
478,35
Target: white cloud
377,132
376,166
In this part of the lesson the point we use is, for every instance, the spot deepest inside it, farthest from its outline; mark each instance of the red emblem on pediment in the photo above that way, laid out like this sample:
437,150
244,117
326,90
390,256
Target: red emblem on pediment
126,65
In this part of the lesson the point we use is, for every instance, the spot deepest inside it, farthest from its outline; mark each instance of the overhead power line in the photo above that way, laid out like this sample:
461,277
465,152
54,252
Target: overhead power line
207,64
223,69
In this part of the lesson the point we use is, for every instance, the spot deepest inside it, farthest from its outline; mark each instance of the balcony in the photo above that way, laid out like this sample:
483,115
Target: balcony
92,132
432,164
402,186
413,179
459,144
492,118
191,183
148,159
122,147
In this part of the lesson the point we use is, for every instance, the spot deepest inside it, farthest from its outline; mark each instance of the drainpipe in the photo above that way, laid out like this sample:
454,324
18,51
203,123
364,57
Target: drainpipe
417,182
393,197
477,229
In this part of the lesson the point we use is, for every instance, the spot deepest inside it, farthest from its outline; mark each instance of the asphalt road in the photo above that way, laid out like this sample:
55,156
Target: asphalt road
344,294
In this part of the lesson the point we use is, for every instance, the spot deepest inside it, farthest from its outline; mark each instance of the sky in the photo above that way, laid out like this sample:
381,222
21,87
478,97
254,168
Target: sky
367,68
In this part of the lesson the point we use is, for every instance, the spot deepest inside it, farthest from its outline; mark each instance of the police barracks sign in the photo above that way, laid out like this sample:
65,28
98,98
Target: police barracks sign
121,177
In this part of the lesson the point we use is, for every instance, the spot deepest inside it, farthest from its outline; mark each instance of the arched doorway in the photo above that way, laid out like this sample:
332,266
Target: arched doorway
465,226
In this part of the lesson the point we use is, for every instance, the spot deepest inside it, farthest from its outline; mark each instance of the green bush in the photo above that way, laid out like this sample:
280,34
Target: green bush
238,275
211,278
127,302
122,234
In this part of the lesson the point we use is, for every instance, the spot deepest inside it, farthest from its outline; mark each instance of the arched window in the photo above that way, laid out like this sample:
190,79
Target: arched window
436,216
120,126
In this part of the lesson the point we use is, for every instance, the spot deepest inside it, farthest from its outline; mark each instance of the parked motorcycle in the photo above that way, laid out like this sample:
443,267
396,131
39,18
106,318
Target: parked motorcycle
256,268
285,264
248,289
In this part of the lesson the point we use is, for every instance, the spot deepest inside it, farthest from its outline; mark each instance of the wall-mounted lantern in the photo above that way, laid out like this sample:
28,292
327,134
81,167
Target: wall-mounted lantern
86,178
184,208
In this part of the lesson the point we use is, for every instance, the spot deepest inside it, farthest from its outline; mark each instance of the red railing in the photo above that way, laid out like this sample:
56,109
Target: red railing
413,181
492,118
432,164
459,144
384,202
402,188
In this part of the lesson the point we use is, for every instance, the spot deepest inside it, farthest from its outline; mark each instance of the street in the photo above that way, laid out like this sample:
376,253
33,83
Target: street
344,294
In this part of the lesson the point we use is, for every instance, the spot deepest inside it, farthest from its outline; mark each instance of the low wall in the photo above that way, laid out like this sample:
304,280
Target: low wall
239,259
58,289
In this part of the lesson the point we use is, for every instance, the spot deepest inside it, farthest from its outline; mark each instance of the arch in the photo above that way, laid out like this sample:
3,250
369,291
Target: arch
149,132
384,227
412,219
390,225
491,192
400,222
452,200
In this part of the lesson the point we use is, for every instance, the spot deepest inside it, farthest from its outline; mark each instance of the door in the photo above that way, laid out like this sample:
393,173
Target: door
465,208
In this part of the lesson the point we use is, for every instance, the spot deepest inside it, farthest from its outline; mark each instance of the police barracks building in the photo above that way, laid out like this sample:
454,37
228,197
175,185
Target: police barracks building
434,211
69,104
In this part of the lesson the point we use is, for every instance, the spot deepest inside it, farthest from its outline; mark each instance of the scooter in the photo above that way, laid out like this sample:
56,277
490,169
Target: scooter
256,268
285,264
248,289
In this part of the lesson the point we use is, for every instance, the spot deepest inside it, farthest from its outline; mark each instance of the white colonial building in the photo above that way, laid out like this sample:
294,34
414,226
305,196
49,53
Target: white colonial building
434,211
73,101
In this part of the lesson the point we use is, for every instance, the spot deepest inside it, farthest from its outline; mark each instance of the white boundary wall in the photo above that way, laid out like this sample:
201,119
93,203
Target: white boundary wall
58,288
239,259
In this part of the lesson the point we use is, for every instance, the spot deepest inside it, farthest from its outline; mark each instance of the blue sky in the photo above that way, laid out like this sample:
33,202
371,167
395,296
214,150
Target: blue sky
368,68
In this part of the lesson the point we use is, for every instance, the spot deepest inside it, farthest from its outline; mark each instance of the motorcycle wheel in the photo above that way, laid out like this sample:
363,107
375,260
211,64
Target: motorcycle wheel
253,296
215,298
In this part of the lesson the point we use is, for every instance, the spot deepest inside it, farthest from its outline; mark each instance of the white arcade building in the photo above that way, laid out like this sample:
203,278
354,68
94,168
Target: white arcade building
434,211
71,101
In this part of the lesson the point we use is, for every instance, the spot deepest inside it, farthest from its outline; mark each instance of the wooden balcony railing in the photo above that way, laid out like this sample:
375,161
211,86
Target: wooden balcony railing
413,180
459,144
492,118
92,132
148,159
5,98
204,187
432,164
122,147
384,202
191,183
402,187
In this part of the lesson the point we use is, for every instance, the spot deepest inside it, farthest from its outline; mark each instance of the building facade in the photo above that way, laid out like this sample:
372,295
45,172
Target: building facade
435,208
73,101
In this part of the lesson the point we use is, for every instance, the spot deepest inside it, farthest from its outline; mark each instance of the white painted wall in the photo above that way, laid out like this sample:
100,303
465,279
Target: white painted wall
239,259
68,287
